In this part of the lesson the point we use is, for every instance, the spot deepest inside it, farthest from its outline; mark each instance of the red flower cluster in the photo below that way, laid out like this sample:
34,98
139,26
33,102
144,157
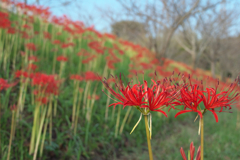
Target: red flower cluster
90,76
193,94
31,46
46,84
76,77
62,58
170,93
4,21
160,95
5,85
97,46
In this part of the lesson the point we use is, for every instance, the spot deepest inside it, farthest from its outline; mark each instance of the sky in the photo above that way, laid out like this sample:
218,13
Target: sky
81,9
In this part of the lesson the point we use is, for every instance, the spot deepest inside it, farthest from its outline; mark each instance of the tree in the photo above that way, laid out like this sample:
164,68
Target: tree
163,17
129,30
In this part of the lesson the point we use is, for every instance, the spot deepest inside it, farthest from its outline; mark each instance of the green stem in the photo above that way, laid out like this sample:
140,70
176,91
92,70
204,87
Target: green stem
125,119
202,137
118,121
11,135
148,138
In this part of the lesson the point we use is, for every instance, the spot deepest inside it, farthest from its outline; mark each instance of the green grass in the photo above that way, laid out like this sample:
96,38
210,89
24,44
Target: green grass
221,139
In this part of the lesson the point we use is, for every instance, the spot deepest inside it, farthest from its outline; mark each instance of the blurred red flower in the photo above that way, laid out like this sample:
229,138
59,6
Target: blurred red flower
4,21
31,46
5,85
62,58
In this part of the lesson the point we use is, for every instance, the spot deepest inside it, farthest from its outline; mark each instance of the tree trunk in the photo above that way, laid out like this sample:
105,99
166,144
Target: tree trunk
223,76
212,54
213,68
194,60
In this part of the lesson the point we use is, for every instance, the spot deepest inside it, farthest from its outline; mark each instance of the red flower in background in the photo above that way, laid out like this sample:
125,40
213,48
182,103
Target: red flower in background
4,21
26,26
43,100
32,67
89,59
91,76
13,107
56,42
33,58
62,58
5,85
47,35
31,46
76,77
20,73
66,45
45,83
11,30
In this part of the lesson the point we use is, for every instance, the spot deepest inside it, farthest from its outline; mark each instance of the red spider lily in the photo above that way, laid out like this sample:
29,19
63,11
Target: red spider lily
192,150
89,59
110,64
212,100
56,42
13,107
4,21
20,73
42,100
127,96
32,67
46,83
191,99
66,45
26,26
146,66
76,77
158,97
11,30
33,58
91,76
62,58
47,35
5,85
97,46
31,46
25,35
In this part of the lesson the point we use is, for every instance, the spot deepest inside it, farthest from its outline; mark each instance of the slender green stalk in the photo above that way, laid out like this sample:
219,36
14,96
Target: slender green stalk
39,133
118,121
11,135
77,114
125,119
85,95
106,112
148,138
202,137
130,117
76,86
